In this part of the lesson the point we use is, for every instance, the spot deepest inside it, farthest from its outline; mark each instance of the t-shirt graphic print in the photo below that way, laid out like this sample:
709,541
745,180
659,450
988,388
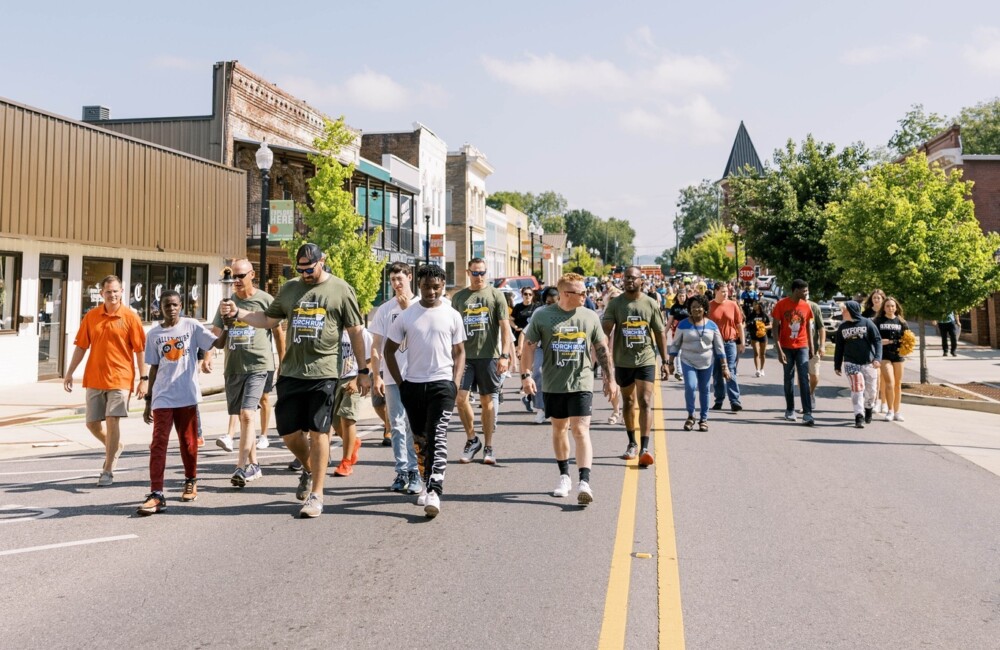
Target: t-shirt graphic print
569,344
307,321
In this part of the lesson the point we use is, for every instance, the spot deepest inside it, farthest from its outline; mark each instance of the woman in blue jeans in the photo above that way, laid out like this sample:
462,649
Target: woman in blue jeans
701,342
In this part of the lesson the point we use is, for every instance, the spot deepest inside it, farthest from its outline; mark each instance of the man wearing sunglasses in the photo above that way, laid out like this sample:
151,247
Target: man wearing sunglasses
249,364
317,306
488,348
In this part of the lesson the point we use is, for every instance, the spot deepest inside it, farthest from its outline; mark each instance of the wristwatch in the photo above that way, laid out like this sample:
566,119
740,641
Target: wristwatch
144,378
505,356
364,371
525,375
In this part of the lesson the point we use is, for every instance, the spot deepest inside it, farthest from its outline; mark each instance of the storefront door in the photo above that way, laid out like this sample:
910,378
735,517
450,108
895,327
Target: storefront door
51,315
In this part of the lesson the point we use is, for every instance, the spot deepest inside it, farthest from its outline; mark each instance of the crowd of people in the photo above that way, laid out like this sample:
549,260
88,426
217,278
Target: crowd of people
424,356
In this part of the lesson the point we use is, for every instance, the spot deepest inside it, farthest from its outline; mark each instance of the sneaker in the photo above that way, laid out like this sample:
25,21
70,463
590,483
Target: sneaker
387,439
565,485
226,442
313,507
527,403
432,504
702,425
808,420
422,498
344,469
890,416
761,372
153,504
689,423
756,374
677,375
239,478
354,452
646,458
399,484
253,472
584,495
868,416
899,417
305,485
190,490
717,406
295,465
737,407
790,416
472,448
615,417
489,458
415,484
105,479
632,451
540,417
201,441
859,421
263,442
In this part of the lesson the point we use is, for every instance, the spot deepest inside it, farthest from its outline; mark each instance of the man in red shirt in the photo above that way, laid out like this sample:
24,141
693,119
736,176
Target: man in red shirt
114,335
792,316
728,316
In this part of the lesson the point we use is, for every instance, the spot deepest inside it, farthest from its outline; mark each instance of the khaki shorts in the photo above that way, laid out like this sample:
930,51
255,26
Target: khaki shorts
102,404
814,366
346,406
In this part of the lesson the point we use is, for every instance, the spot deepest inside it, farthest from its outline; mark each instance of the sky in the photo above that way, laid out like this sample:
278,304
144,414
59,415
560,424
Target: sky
616,106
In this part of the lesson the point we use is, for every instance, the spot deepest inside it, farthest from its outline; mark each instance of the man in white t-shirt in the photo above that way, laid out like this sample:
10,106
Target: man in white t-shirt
434,337
407,476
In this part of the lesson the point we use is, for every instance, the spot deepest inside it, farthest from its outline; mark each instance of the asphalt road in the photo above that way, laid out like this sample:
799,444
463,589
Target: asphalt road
786,537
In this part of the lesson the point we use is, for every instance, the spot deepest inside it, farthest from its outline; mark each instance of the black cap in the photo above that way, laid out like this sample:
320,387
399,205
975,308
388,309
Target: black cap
312,252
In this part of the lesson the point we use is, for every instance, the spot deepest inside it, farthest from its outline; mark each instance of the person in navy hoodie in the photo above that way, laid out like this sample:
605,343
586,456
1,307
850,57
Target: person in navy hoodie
858,350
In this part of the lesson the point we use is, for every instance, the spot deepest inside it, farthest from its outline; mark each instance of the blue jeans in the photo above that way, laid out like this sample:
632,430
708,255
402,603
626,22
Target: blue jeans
536,374
797,359
699,379
402,436
730,386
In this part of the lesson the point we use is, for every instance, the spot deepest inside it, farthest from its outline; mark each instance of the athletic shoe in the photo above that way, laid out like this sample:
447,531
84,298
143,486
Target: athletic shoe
344,469
702,425
354,452
540,417
899,417
226,442
190,489
263,442
859,421
153,504
305,485
717,406
239,478
868,416
422,498
689,423
615,417
564,487
756,374
790,416
399,484
527,403
387,439
677,375
313,507
415,484
295,465
201,441
808,420
890,416
472,448
105,479
253,472
584,495
632,451
432,504
737,407
761,372
489,458
645,458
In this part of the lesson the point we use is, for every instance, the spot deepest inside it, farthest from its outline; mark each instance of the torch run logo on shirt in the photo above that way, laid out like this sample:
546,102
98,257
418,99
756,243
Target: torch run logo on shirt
634,331
307,321
477,317
569,344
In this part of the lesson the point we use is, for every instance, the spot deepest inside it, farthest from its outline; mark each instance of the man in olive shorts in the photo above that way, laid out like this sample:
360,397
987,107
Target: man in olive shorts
347,404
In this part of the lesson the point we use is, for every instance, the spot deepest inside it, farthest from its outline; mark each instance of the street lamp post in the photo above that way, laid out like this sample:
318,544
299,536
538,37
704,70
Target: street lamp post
520,258
532,231
427,238
471,252
264,159
736,244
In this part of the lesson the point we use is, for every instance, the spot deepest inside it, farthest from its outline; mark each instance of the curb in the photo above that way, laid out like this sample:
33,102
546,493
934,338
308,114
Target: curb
952,403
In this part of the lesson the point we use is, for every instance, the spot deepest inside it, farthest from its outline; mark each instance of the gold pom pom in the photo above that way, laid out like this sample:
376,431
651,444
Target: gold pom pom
906,343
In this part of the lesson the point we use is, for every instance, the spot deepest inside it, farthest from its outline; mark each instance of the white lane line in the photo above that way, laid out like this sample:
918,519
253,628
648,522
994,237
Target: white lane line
53,471
96,540
40,513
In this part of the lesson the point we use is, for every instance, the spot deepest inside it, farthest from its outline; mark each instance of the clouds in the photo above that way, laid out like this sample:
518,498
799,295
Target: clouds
983,54
667,92
367,90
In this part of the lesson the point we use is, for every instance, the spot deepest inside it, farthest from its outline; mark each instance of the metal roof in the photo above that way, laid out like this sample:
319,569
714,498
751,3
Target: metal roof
742,154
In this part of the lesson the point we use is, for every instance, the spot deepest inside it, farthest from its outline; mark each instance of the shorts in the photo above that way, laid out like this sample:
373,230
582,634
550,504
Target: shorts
814,366
269,382
627,376
481,374
102,404
376,400
568,405
243,391
304,405
346,405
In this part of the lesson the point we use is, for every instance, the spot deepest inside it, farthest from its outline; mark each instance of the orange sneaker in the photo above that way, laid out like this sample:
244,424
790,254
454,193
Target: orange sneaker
354,454
190,489
646,458
201,442
344,469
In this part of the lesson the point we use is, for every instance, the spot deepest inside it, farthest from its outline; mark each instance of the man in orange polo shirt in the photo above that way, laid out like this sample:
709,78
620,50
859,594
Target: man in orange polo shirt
728,316
114,335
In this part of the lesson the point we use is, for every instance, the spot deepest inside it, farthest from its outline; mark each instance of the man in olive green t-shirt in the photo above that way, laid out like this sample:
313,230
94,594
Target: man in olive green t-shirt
631,321
566,331
488,346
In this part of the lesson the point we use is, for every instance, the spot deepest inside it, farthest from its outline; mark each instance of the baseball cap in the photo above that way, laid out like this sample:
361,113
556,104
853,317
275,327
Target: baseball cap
311,252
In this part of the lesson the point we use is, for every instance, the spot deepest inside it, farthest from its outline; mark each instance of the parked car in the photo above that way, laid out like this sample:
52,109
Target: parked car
514,285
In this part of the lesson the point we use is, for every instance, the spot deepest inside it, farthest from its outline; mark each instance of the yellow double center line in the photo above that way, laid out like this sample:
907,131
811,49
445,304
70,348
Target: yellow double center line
671,623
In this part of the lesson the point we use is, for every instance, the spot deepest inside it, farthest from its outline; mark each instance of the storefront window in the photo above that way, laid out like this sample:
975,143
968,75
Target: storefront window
10,283
94,271
149,280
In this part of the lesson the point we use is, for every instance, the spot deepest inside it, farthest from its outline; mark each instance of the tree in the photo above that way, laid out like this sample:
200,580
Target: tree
710,257
537,206
697,209
981,127
581,261
781,211
333,223
911,230
915,128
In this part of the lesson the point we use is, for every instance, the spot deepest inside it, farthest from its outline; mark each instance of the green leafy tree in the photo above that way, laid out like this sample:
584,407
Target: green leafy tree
710,257
781,211
915,128
581,261
537,206
697,210
981,127
912,231
333,223
555,223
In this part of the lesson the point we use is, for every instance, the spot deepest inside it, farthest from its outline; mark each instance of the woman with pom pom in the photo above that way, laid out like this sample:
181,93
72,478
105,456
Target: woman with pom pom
897,342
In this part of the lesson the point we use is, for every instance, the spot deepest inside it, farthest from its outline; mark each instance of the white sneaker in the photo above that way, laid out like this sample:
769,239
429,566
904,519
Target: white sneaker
614,417
889,415
584,495
756,373
225,442
761,372
422,497
540,417
433,507
263,442
565,485
899,417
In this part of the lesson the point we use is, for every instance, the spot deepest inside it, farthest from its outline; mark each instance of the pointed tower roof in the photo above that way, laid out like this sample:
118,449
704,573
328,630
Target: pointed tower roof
742,154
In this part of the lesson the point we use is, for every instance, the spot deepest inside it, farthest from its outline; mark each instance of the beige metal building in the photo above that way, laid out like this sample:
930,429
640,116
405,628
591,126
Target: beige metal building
78,203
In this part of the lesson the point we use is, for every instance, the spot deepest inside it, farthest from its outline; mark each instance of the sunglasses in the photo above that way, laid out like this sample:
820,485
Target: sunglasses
575,293
240,276
308,270
477,274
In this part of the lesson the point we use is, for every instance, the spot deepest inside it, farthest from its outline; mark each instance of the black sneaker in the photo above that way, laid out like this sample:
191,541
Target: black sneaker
400,483
737,407
867,416
295,465
717,406
859,420
472,448
387,439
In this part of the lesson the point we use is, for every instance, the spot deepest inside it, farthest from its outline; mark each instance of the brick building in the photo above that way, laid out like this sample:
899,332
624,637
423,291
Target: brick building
465,210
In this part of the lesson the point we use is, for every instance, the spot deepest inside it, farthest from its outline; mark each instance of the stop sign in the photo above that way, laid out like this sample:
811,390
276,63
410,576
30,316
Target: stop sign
746,273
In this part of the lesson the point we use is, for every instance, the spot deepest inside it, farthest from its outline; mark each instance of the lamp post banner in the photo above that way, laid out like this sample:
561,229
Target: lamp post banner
437,245
479,248
282,220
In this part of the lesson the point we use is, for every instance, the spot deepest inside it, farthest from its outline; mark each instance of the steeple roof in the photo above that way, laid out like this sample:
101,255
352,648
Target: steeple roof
742,154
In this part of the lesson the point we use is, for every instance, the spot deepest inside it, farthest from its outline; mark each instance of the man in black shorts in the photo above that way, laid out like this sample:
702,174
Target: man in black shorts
565,331
631,321
317,306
